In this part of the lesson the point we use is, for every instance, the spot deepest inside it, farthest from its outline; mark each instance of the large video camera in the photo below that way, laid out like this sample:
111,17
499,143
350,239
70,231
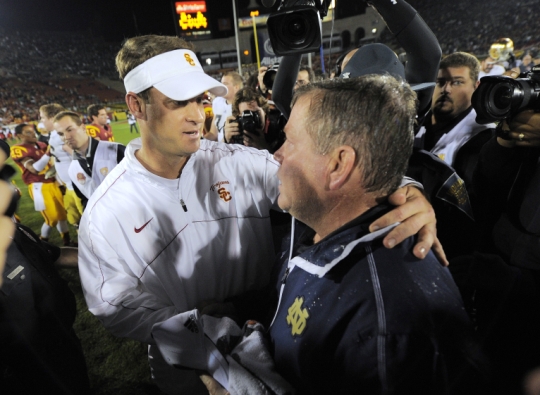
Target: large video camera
296,27
501,97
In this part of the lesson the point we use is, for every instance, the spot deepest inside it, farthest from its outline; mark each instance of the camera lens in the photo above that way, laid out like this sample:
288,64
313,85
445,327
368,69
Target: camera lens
297,28
502,97
297,31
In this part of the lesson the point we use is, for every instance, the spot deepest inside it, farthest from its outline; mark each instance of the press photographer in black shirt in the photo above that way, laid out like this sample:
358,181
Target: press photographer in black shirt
253,123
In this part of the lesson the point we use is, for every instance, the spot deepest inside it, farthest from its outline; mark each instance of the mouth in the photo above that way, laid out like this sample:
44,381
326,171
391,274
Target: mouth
192,133
443,100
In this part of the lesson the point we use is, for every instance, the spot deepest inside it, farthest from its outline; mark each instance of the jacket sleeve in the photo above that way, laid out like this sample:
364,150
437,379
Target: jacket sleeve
418,41
113,292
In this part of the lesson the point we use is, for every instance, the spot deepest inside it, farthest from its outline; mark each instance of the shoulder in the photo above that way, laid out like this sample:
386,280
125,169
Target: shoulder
114,192
18,151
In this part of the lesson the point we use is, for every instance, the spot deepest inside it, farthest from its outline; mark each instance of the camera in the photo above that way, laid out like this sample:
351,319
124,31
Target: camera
273,129
296,27
501,97
249,121
270,76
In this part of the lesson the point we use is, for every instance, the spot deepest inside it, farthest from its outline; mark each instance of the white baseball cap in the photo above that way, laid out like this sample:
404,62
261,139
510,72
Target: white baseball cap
177,74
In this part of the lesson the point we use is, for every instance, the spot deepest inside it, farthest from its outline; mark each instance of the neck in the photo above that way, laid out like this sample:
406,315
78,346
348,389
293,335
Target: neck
341,213
160,164
83,148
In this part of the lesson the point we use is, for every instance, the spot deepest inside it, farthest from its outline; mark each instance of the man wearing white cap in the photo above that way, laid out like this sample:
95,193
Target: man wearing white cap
181,222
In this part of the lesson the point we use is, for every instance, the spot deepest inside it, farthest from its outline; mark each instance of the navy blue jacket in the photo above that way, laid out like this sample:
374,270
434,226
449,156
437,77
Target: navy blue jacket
355,317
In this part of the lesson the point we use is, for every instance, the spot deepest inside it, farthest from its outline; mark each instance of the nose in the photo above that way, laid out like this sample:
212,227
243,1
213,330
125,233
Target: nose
447,86
195,112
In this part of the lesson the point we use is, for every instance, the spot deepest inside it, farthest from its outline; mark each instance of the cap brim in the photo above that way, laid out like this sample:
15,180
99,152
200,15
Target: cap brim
422,86
189,85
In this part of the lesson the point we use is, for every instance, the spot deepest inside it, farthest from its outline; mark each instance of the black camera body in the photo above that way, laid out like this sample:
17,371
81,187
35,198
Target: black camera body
273,131
501,97
249,121
296,27
270,76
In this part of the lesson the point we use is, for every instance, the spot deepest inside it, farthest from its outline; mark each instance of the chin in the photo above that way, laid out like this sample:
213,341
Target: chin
282,203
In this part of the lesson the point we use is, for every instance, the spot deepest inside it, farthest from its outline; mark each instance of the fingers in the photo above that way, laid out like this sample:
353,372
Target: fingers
416,216
411,226
407,207
213,387
438,250
399,197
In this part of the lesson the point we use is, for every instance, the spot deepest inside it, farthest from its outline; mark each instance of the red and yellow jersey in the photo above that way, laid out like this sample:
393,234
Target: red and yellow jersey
100,133
33,151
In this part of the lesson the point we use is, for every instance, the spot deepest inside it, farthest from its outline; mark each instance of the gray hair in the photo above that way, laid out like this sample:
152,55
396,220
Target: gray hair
373,114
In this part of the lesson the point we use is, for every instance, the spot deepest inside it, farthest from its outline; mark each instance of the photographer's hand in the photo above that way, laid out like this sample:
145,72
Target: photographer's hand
416,216
262,72
230,129
257,140
523,130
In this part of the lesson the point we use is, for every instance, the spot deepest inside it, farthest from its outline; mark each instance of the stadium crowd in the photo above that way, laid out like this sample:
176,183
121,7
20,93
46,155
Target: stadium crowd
359,296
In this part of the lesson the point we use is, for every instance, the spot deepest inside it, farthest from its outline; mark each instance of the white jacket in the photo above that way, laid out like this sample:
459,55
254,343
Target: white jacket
105,159
143,259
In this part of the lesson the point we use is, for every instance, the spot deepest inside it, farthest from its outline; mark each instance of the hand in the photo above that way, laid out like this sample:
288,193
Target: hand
213,387
260,76
7,227
523,130
257,139
416,216
231,129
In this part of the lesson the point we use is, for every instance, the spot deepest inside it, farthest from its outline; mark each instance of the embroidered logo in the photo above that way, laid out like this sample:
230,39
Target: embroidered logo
81,178
189,59
104,171
222,192
138,230
297,317
191,324
441,156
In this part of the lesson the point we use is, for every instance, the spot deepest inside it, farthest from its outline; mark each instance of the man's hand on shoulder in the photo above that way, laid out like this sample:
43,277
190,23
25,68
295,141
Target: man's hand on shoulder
416,216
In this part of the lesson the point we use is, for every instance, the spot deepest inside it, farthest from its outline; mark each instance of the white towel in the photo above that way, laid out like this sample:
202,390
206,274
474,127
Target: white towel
39,200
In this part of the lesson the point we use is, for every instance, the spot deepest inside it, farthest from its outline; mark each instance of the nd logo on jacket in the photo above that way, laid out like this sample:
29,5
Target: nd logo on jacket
297,317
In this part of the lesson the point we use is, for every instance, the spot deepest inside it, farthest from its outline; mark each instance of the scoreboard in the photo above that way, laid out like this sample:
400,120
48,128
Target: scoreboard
191,20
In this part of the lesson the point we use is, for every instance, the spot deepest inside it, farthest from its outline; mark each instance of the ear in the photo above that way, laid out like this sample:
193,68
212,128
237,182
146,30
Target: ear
136,105
340,166
476,85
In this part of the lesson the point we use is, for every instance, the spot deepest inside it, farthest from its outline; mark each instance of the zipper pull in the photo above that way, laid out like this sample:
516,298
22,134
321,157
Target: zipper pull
183,205
285,275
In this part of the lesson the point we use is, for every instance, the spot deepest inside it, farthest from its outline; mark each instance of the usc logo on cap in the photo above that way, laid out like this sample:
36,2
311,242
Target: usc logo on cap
189,59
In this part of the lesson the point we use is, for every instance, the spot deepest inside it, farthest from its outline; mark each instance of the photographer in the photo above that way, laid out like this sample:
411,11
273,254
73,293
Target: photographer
253,124
500,283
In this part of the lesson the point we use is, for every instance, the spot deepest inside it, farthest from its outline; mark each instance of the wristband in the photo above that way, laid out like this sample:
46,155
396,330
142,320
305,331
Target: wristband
41,163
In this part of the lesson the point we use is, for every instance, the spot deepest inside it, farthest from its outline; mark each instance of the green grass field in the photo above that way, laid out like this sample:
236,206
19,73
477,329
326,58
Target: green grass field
115,366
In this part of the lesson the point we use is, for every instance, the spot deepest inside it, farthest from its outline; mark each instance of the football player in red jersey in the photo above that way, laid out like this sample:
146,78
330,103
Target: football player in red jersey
99,129
33,160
